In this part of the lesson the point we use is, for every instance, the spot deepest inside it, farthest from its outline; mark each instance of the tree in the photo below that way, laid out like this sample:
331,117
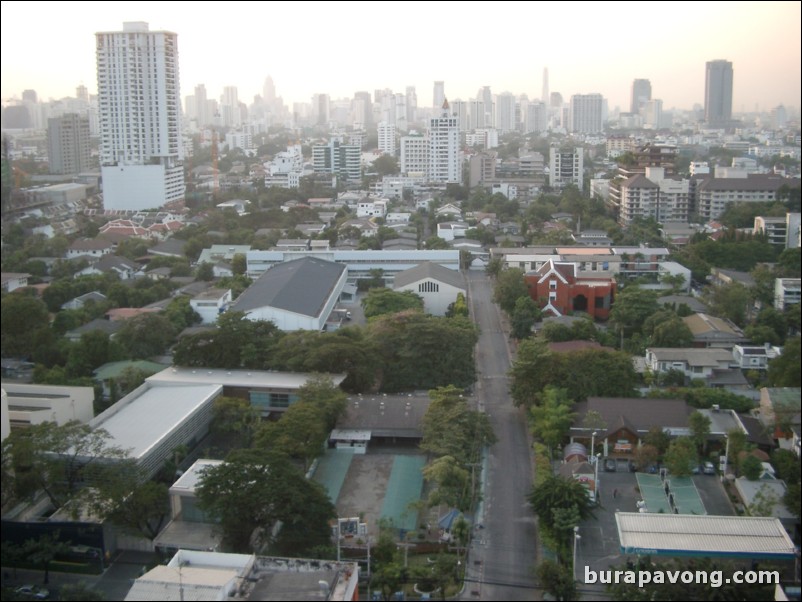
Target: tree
43,550
234,418
524,316
300,433
452,483
560,504
146,335
254,489
23,318
681,457
143,510
239,264
386,165
784,370
552,418
666,329
751,467
458,308
658,439
494,267
786,464
699,426
380,301
736,443
556,579
205,272
510,287
729,301
631,308
326,397
645,456
59,459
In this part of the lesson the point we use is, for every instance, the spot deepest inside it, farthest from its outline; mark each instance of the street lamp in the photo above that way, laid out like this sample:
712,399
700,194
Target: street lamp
577,537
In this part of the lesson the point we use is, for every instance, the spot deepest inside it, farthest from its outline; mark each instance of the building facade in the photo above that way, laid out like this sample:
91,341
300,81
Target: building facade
566,166
68,149
140,117
718,92
586,113
444,156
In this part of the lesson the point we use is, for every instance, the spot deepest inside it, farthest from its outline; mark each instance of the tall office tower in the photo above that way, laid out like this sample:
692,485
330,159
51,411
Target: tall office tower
545,95
367,104
641,93
140,117
386,133
30,96
412,104
444,160
202,113
439,95
585,115
486,96
653,114
505,112
536,117
320,108
269,91
82,94
718,92
555,100
461,109
68,149
229,107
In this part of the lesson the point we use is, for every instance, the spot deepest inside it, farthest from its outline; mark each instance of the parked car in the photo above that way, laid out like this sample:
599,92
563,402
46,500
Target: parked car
610,465
709,468
31,591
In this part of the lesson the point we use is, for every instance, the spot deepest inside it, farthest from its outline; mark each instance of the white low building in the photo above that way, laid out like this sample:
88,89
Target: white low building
25,405
211,303
436,285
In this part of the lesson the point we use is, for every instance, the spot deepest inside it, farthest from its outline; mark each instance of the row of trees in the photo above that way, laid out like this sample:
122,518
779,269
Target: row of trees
394,352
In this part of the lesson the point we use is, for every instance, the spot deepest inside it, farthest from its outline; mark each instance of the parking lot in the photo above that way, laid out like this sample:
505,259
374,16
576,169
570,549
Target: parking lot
598,546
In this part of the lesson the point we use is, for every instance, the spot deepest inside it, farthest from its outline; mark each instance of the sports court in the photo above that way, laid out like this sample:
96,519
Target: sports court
674,495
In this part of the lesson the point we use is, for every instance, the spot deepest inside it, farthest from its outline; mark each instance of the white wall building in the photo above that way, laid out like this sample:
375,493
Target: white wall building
211,303
586,112
387,138
445,164
26,405
414,155
140,117
436,285
566,166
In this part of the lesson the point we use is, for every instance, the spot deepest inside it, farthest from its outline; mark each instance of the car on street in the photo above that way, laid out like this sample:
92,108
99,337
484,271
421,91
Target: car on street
709,468
31,591
610,465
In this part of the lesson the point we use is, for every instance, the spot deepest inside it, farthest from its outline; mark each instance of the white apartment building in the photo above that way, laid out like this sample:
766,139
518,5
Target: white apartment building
414,155
445,164
654,195
585,116
387,138
140,117
536,117
566,167
713,195
344,160
505,112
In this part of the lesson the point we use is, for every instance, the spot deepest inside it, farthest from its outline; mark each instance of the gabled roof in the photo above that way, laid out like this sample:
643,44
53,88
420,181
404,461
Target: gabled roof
301,286
564,271
704,325
428,269
710,358
635,413
90,244
115,262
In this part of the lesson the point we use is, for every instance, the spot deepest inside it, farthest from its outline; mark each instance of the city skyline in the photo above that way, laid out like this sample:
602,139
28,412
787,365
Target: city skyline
240,48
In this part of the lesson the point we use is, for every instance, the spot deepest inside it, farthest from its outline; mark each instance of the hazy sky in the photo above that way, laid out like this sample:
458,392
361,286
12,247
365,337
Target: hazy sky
342,47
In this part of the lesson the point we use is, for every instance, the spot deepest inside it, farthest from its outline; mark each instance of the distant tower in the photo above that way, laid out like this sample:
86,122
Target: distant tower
444,159
68,148
641,93
30,96
439,95
141,152
718,92
545,94
269,91
202,106
81,93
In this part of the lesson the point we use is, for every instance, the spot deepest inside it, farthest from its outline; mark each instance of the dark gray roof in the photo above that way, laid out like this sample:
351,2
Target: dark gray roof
171,246
640,413
427,269
106,326
753,182
109,262
301,286
640,181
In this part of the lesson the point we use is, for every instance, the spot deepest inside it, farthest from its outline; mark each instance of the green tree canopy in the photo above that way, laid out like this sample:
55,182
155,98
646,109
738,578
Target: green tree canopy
551,419
681,457
252,490
380,301
509,287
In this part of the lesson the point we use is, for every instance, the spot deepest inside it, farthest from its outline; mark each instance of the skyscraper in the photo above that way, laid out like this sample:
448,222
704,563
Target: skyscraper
439,95
586,113
641,93
545,93
68,148
718,92
140,117
444,159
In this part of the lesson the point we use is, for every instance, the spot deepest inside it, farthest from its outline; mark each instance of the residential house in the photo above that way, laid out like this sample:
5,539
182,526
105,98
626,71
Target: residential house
108,326
79,301
449,209
92,247
558,288
710,331
626,420
716,366
122,267
450,230
780,410
787,291
436,285
211,303
754,357
11,281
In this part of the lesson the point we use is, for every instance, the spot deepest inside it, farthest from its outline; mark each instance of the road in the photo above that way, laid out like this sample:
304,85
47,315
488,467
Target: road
503,551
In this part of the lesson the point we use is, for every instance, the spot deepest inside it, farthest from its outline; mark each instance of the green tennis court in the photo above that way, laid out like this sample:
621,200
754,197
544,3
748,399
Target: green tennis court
685,495
653,492
331,471
405,485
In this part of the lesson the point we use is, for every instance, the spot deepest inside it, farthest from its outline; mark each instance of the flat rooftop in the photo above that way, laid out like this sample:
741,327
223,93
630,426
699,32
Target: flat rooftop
235,378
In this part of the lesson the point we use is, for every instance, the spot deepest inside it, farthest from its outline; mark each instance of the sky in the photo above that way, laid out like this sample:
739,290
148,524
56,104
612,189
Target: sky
339,48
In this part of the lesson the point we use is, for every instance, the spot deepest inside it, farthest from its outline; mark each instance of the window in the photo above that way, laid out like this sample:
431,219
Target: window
552,285
428,287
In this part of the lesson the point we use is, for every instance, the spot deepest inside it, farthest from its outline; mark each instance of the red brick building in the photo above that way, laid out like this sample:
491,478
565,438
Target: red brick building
557,288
